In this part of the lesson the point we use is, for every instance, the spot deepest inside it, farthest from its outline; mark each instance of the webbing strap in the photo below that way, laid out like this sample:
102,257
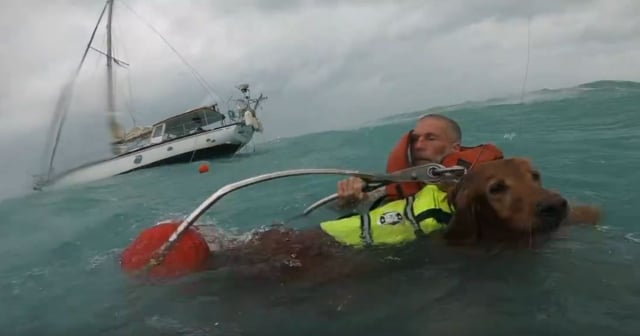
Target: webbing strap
365,229
408,212
439,215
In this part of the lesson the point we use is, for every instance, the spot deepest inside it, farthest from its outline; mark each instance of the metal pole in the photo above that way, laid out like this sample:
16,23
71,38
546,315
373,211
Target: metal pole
423,173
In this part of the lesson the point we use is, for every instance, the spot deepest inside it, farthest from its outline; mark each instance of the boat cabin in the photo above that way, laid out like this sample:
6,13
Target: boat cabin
193,121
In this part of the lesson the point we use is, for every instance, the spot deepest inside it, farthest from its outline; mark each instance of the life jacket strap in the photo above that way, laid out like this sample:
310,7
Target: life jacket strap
439,215
408,212
365,229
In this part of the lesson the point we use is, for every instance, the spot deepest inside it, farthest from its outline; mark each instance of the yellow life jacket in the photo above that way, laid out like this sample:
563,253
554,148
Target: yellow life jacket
396,222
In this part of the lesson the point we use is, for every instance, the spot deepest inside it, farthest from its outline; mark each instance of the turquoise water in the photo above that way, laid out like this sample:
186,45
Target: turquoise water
59,273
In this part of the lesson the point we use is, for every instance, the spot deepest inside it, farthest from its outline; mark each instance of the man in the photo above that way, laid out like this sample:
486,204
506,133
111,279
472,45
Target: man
434,137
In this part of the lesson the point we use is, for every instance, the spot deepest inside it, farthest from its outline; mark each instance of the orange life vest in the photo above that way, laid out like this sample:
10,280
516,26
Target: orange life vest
401,158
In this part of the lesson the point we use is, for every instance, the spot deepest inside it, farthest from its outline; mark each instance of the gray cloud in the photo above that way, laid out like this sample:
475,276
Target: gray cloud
323,64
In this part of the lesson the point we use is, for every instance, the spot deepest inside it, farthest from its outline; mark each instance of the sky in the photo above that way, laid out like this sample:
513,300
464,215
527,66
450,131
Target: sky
323,64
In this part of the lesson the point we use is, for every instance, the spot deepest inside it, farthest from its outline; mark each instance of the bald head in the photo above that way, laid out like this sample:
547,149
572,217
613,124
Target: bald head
434,137
452,125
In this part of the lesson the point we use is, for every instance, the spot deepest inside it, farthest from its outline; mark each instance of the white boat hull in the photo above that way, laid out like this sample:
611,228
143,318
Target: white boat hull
222,141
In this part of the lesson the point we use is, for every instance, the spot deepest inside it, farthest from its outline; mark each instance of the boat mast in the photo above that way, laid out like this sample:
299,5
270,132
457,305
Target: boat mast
117,132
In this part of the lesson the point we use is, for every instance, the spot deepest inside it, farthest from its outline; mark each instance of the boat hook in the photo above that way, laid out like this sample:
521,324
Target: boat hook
428,173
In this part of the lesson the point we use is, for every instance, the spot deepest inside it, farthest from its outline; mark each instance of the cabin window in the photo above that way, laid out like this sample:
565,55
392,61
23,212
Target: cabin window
157,131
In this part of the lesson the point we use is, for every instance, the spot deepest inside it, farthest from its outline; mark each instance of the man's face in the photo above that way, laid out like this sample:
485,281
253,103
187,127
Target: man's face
432,140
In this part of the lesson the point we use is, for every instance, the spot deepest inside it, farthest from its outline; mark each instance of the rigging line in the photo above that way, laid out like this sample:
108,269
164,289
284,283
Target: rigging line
203,82
60,113
526,71
98,59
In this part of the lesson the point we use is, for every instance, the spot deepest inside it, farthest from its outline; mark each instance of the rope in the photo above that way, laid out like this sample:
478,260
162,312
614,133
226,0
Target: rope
193,152
526,71
202,81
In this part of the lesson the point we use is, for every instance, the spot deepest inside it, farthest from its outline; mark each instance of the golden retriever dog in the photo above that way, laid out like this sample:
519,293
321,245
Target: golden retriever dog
504,201
498,202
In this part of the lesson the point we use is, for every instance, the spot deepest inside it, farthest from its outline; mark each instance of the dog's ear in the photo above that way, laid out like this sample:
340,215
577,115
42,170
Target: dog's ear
463,227
448,187
453,189
452,192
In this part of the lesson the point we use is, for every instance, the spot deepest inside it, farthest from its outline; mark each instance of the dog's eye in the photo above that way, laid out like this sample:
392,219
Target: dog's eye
498,187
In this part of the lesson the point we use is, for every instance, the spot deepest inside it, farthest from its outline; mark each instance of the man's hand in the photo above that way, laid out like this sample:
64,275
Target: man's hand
350,191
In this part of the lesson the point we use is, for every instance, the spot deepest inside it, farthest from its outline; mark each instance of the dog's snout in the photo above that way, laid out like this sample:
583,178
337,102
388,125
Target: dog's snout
552,206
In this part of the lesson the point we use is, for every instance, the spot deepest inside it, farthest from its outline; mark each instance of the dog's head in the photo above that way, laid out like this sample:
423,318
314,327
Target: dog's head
503,200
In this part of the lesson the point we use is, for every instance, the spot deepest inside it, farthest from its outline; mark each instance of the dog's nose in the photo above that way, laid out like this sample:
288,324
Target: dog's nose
553,206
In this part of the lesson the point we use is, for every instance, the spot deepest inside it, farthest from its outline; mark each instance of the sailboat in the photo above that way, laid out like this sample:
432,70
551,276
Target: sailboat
199,133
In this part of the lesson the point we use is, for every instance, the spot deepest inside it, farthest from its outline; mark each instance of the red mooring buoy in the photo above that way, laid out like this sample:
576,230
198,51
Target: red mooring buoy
188,255
204,168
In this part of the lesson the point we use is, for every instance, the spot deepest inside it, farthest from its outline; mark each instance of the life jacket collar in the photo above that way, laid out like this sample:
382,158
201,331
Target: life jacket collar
401,158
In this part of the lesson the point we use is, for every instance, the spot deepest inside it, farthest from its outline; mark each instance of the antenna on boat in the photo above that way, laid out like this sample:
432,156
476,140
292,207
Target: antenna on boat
244,88
247,111
526,71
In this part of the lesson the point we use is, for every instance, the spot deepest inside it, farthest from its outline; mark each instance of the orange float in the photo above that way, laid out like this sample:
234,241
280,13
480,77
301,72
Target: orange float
189,254
204,168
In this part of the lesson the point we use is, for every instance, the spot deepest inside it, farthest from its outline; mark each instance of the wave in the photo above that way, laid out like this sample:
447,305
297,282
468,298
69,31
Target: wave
532,97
